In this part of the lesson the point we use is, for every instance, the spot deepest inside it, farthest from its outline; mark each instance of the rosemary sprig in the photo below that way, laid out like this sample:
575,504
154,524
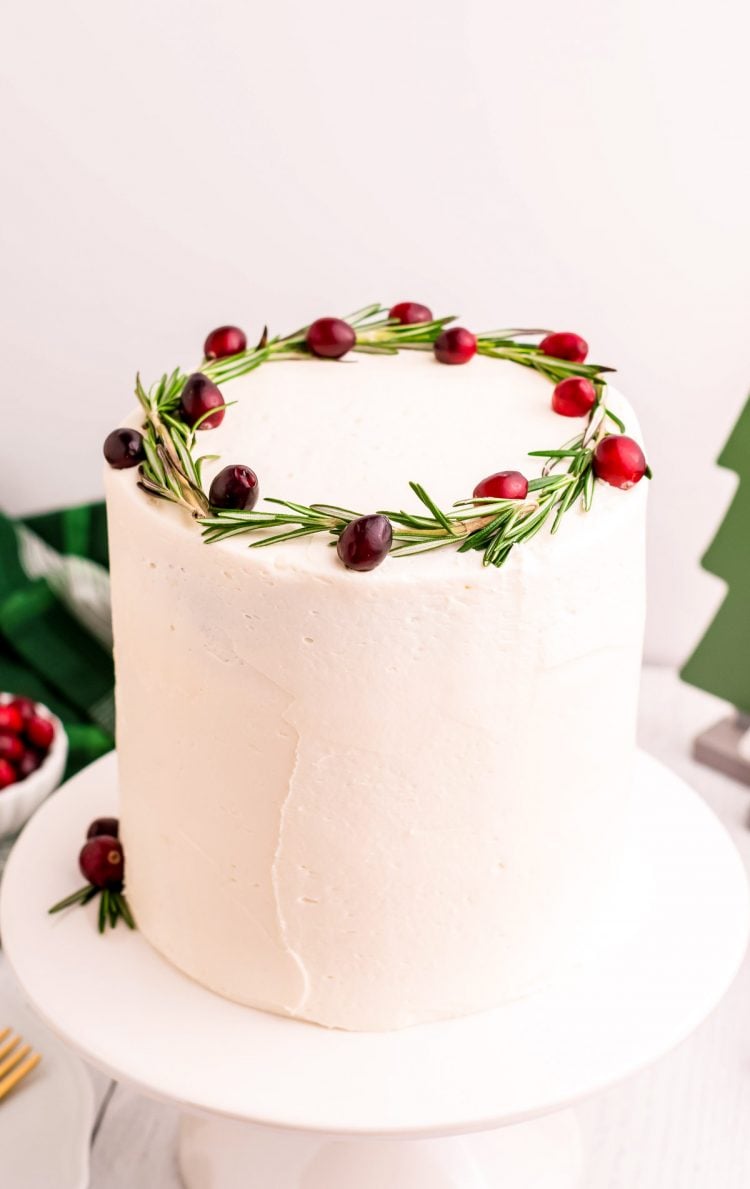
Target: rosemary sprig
489,525
379,335
501,344
113,905
170,472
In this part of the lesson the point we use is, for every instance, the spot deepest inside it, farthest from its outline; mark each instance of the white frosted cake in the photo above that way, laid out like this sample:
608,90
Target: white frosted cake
375,799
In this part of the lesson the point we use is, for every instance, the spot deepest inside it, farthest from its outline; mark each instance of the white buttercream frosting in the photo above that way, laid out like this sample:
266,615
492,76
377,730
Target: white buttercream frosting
372,800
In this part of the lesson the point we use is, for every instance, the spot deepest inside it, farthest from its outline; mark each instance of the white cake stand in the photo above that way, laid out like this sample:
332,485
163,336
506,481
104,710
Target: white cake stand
272,1103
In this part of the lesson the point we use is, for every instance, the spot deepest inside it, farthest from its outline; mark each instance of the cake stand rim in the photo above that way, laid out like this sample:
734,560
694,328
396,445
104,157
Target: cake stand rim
728,860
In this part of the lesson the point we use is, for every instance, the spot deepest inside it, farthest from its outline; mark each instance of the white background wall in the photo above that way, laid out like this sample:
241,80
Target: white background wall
169,166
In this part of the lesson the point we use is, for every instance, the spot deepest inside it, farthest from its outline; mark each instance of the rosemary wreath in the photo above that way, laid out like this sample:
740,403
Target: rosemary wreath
491,526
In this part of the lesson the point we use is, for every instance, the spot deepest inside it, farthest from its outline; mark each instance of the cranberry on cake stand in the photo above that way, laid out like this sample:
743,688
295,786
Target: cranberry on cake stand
473,1103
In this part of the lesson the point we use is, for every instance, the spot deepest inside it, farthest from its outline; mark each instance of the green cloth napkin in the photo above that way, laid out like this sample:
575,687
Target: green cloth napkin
55,628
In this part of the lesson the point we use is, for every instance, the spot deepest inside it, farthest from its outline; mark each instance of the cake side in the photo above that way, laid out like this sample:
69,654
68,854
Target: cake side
374,800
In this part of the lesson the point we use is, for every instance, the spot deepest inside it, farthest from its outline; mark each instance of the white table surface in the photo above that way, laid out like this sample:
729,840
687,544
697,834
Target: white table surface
684,1124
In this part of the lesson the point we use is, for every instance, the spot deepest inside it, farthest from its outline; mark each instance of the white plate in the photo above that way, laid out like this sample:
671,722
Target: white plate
46,1122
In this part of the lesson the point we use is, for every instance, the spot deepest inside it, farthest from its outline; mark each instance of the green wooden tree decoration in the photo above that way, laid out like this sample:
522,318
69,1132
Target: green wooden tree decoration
721,662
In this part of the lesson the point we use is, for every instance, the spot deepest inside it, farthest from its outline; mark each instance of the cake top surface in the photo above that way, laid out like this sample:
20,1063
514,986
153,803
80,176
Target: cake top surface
355,432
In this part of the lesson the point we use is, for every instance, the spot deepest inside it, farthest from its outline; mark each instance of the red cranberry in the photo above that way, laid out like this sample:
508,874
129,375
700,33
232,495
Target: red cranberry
199,396
503,485
365,542
40,732
104,825
25,707
410,313
10,719
11,748
123,448
619,461
7,774
102,862
330,338
225,340
455,345
565,345
234,487
573,397
29,762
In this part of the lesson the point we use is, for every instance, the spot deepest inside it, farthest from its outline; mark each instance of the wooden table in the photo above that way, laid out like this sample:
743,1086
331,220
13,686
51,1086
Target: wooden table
684,1124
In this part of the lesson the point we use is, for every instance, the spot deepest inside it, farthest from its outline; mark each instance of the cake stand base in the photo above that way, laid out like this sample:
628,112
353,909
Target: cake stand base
540,1154
724,747
472,1103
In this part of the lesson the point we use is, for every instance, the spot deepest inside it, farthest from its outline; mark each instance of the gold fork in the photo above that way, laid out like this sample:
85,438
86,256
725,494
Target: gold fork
16,1061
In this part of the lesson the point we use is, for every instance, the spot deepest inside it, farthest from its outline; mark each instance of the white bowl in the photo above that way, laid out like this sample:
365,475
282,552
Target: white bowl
18,801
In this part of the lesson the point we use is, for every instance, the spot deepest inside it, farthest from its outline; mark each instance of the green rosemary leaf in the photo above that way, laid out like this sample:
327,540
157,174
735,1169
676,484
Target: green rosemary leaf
178,428
502,556
482,505
409,520
299,532
377,324
157,392
171,480
140,393
422,332
219,516
543,482
408,548
524,529
78,897
431,506
334,511
103,910
159,493
211,412
305,509
210,536
497,552
573,493
483,536
588,489
238,365
154,461
506,348
168,398
360,316
199,464
186,459
124,910
511,334
553,453
612,417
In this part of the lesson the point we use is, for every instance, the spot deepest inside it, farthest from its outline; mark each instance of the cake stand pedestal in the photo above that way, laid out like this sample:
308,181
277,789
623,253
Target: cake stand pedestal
541,1154
476,1103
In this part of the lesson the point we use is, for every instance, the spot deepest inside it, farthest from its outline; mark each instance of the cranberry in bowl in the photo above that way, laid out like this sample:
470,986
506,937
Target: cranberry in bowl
33,751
